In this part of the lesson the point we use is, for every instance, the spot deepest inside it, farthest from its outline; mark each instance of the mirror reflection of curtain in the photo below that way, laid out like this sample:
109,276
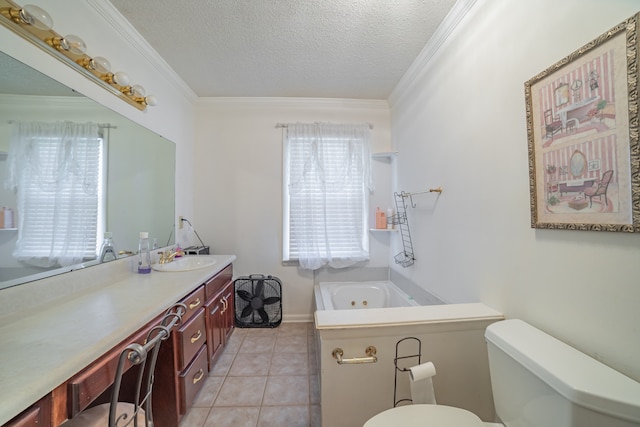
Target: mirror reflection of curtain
55,170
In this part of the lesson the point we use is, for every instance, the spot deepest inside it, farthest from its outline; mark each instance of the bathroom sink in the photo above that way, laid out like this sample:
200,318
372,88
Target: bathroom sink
185,264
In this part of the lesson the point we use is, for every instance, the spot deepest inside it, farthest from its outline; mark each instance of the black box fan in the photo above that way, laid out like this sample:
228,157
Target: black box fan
258,301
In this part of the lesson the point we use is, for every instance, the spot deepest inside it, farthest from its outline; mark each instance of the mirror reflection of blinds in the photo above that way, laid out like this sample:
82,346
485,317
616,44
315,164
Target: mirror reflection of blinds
61,189
345,204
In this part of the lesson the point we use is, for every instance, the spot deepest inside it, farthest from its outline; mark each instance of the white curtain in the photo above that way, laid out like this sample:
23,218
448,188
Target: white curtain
327,168
55,170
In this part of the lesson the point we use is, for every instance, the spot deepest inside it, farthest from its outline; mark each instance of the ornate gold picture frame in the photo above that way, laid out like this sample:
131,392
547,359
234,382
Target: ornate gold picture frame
582,127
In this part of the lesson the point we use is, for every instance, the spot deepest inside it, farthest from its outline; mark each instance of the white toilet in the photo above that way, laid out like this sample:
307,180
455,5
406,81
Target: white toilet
537,381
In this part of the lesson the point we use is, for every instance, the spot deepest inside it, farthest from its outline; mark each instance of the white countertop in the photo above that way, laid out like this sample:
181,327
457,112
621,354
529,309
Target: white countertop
42,348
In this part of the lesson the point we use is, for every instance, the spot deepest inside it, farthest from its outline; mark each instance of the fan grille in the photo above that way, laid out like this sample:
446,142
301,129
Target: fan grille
258,301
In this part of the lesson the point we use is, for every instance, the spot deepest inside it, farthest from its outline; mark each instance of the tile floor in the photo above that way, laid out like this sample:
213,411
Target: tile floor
264,377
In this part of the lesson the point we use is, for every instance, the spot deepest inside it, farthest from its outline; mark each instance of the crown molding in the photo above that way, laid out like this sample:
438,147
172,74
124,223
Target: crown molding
123,27
416,70
296,102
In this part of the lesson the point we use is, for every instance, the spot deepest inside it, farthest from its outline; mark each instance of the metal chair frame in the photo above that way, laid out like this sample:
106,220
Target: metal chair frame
143,356
146,357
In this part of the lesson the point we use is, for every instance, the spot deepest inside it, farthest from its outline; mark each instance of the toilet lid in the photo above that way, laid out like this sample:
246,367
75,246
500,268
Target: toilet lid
425,416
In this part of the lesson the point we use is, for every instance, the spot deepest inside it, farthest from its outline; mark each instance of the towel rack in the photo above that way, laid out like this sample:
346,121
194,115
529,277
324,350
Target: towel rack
370,357
404,258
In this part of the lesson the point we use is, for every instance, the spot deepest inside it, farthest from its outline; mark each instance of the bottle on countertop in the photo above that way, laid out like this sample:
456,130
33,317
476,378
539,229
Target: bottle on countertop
108,250
144,254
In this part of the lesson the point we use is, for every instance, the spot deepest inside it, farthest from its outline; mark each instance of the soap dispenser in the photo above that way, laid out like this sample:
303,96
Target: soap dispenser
144,255
108,250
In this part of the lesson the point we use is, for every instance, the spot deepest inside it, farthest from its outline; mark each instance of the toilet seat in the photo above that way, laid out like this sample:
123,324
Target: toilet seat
425,415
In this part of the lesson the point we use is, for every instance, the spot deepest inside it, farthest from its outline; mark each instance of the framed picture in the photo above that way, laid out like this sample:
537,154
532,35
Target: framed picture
582,128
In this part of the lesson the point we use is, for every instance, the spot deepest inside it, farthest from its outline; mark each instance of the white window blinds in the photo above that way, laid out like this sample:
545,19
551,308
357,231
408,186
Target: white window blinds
327,181
55,169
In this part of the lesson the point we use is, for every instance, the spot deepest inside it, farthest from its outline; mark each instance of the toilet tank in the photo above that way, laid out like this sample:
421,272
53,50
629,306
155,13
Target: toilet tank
539,381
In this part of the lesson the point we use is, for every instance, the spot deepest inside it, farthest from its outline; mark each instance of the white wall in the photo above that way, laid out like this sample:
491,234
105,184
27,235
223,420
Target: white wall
461,124
238,163
107,34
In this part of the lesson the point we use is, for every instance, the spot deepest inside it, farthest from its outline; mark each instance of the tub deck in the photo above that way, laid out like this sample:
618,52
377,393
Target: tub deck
393,316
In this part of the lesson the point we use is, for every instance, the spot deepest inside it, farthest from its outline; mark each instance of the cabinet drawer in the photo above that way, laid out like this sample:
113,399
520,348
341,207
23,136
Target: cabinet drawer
39,415
30,418
193,301
88,384
192,379
191,336
215,284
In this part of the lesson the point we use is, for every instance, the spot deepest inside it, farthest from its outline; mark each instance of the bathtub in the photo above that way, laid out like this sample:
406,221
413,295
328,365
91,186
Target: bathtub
361,295
450,335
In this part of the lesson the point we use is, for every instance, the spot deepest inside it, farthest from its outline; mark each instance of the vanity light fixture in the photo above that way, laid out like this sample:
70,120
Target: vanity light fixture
73,44
32,15
35,25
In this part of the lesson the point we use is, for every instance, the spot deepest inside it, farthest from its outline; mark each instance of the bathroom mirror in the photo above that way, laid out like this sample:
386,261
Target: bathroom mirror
577,164
140,166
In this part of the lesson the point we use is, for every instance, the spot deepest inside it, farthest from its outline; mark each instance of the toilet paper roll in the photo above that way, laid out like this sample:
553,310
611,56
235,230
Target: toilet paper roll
421,383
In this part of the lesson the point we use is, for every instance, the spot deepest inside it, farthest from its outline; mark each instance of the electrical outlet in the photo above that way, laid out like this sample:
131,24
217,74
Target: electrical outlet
180,225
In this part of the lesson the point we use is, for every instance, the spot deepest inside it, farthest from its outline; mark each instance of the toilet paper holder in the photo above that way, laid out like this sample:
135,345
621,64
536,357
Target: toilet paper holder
410,354
370,357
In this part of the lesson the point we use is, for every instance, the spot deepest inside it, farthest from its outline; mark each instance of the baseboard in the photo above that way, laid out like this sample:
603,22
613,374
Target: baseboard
297,318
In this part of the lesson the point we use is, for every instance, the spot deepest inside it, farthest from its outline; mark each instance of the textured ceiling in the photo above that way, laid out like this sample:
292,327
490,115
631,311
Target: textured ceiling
297,48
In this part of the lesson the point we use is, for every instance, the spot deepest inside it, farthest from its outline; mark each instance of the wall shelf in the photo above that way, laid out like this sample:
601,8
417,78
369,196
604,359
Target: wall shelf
386,230
384,155
8,229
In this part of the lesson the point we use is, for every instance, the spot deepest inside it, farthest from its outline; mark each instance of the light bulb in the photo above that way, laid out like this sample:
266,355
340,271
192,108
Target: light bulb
100,64
73,44
121,78
151,100
138,90
36,16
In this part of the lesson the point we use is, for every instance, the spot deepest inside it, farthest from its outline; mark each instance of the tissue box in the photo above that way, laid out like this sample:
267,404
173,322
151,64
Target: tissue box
197,250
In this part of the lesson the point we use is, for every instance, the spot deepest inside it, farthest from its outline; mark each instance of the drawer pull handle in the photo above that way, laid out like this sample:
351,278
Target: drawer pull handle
194,304
198,376
195,337
224,305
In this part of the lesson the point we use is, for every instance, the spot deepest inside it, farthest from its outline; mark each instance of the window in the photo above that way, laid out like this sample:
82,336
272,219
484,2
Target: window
56,169
327,179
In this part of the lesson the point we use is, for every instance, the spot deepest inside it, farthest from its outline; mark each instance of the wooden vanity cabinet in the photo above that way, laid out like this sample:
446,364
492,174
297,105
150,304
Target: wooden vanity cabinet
219,308
182,367
92,382
176,359
229,314
36,416
184,360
